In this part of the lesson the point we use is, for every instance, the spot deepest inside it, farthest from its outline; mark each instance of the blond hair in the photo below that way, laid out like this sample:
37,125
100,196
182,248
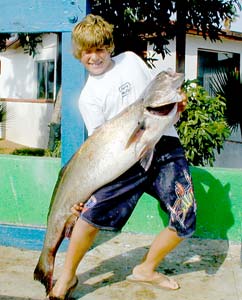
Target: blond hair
92,31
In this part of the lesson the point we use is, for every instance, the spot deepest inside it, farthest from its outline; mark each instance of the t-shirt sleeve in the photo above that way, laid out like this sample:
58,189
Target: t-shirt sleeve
91,113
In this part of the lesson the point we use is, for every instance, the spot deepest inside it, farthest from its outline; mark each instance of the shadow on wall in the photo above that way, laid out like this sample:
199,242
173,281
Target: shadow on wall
214,219
215,192
214,215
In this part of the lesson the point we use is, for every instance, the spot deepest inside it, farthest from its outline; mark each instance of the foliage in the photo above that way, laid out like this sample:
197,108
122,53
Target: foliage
3,38
202,127
158,22
56,152
29,152
39,151
227,84
28,41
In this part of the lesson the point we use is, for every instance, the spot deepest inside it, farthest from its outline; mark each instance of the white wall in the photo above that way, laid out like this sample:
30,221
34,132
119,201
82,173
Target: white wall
27,123
27,119
17,73
194,43
18,69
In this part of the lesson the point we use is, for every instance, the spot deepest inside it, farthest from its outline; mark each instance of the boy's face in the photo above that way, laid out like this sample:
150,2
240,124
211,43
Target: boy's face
96,60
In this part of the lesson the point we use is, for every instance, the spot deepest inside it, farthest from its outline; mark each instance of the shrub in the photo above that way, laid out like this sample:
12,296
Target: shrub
56,152
202,127
29,152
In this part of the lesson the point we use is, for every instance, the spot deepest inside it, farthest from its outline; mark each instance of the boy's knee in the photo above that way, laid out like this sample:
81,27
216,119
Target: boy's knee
87,227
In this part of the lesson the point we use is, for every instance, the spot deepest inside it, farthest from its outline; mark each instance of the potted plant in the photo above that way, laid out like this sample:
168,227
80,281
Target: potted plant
3,114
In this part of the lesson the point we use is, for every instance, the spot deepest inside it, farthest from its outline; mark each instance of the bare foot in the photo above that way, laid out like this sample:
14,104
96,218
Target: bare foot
61,290
155,279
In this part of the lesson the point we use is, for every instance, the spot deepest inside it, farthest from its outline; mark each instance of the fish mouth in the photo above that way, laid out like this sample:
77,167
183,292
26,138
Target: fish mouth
161,110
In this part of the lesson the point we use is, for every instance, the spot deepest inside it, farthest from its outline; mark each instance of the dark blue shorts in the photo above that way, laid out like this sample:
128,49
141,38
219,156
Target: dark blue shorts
168,180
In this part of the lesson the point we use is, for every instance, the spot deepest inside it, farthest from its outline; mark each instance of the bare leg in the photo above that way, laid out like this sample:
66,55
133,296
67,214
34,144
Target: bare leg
165,242
82,238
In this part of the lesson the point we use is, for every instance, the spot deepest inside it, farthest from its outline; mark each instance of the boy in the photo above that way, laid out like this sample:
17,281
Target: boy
114,83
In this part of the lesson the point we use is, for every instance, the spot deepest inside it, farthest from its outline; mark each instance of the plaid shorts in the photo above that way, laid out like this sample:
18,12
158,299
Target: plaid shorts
168,180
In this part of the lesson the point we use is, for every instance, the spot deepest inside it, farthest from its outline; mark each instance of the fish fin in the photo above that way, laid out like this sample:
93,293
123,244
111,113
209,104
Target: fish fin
145,161
137,133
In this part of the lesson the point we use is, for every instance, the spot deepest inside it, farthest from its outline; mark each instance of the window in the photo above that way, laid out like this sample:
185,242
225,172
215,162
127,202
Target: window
46,79
210,61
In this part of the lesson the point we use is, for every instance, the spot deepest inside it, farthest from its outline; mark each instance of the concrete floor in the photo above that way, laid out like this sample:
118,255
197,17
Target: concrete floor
205,269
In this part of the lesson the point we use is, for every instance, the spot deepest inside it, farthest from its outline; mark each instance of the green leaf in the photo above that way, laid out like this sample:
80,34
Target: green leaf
202,127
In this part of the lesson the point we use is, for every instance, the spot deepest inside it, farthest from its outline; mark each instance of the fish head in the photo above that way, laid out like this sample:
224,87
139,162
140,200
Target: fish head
162,94
160,100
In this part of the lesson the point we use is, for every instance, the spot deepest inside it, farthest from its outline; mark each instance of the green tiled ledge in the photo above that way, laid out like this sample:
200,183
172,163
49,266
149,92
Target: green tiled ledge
26,185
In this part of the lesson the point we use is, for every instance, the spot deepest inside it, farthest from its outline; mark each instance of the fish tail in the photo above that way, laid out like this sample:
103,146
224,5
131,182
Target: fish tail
44,275
44,269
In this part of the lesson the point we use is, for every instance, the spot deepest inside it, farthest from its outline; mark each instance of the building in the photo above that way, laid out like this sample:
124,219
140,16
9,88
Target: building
28,85
201,58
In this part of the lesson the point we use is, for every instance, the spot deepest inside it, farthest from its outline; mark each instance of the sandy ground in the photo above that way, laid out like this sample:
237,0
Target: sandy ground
205,269
7,147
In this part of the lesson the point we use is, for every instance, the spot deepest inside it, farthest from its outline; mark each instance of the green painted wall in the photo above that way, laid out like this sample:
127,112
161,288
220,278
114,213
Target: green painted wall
219,206
26,185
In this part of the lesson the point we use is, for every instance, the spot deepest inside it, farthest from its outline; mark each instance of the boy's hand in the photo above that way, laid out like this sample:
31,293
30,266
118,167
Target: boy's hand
182,105
77,208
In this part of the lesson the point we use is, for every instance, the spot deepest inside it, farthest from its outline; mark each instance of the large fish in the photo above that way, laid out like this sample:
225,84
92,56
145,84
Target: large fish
110,151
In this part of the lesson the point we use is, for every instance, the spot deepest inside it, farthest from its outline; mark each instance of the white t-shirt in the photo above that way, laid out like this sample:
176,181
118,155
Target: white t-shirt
104,96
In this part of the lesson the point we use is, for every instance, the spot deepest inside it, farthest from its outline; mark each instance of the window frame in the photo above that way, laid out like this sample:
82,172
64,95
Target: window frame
37,62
